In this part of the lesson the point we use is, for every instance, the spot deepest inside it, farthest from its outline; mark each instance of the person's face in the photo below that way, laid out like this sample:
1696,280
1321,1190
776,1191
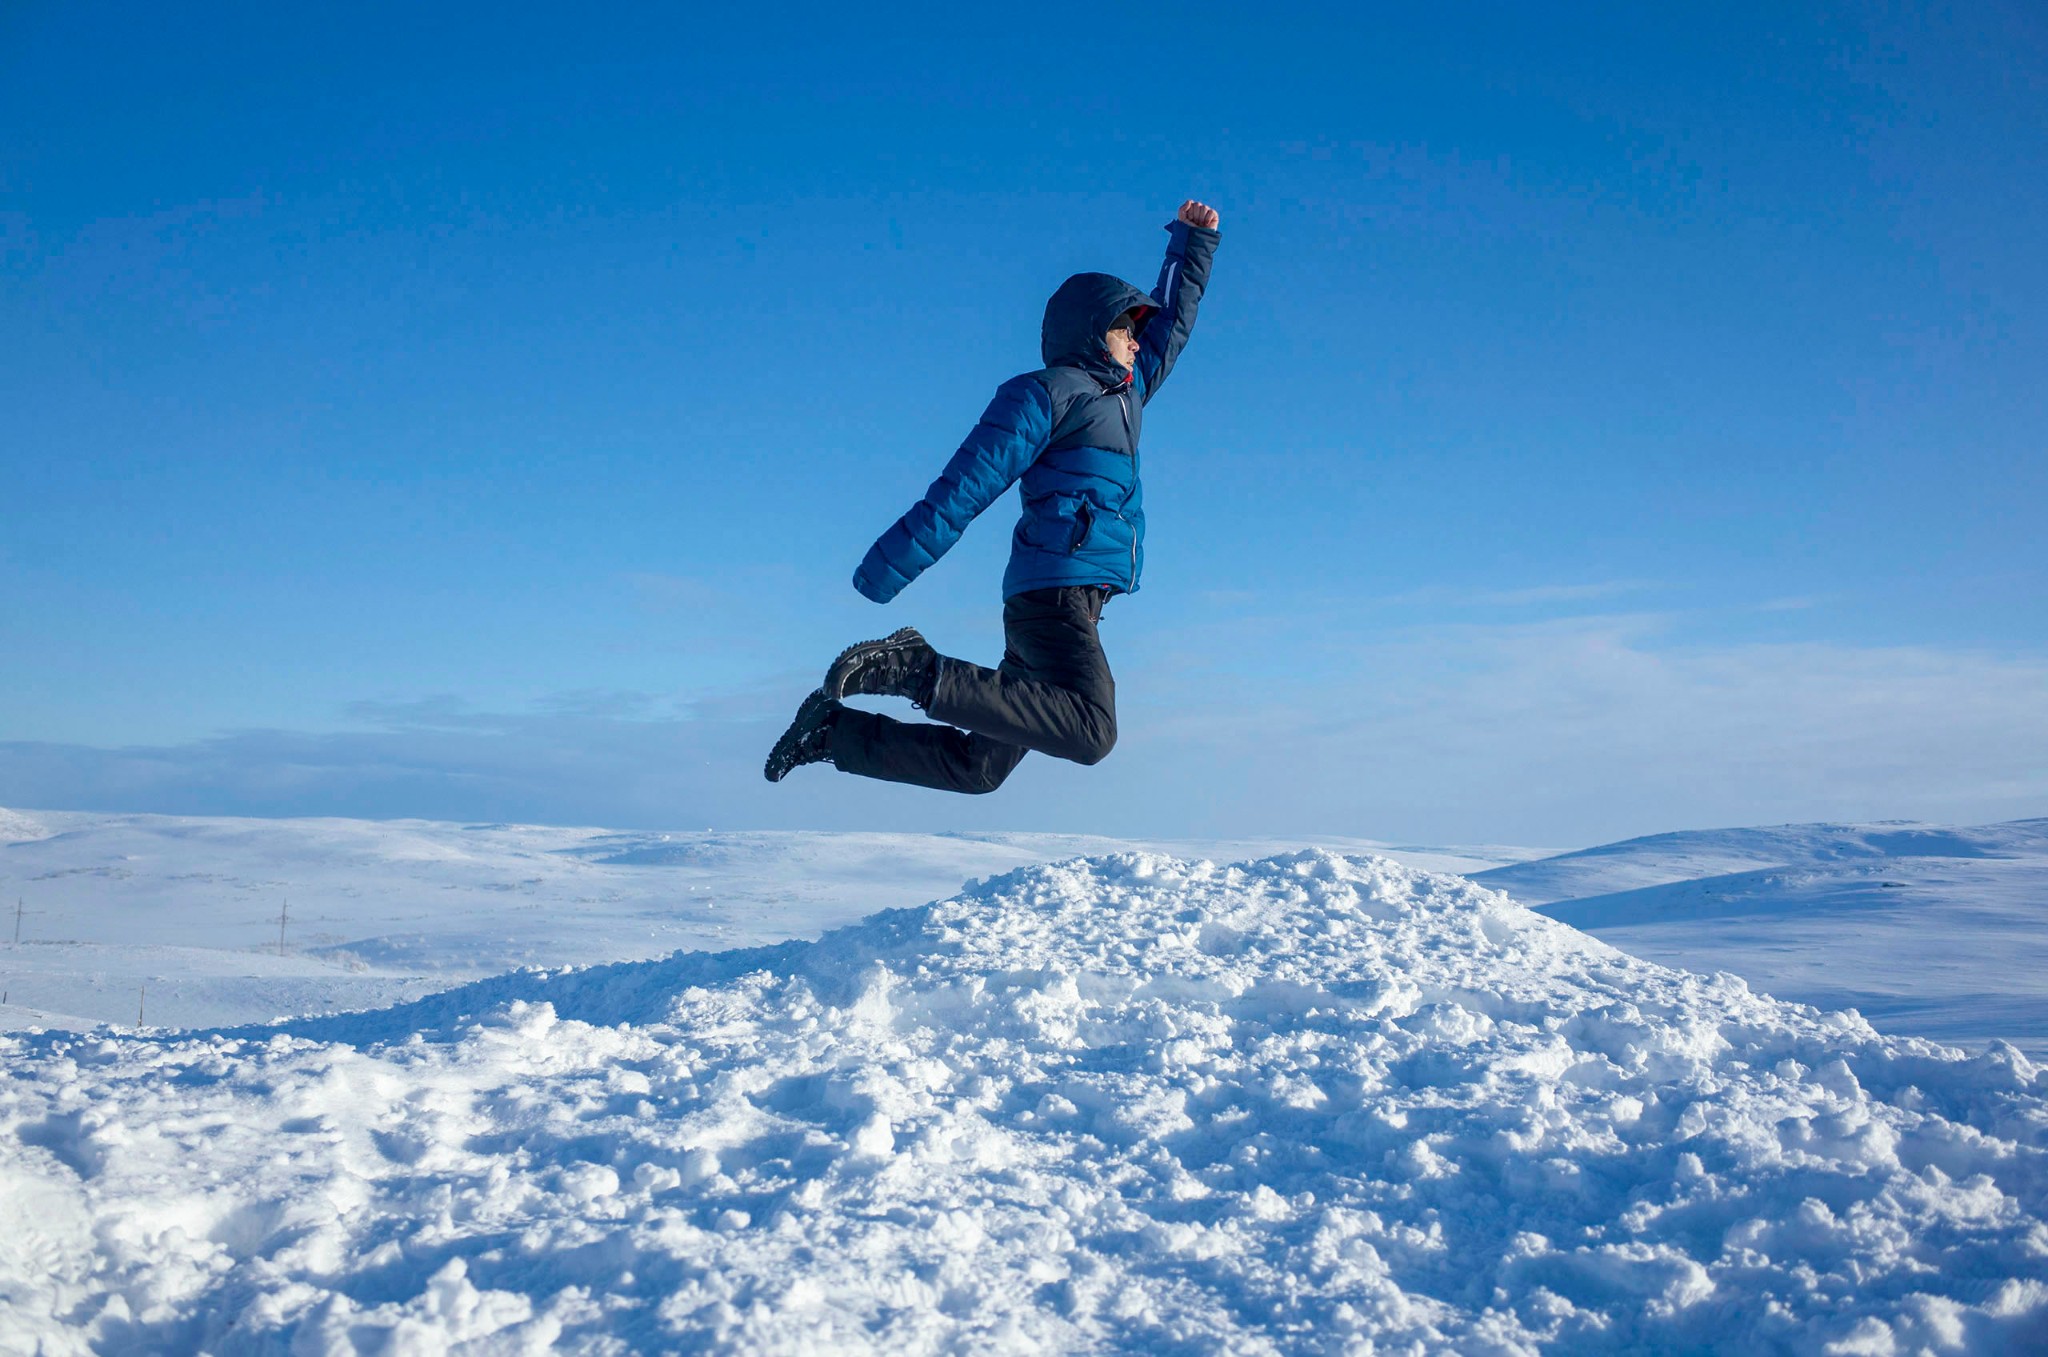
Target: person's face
1122,346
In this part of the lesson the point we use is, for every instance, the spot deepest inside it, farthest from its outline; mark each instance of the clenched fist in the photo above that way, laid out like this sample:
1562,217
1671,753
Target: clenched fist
1199,214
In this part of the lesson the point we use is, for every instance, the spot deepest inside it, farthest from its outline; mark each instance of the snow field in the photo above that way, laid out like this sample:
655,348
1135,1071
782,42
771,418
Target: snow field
178,917
1306,1104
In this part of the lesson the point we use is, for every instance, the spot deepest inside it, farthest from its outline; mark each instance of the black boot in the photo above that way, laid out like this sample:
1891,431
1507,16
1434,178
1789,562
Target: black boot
808,739
901,664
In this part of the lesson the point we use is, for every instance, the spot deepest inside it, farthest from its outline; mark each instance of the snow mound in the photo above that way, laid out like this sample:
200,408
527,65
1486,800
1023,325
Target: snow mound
1306,1104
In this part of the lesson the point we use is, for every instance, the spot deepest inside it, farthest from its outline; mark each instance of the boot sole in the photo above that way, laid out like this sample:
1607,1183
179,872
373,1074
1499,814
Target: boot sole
843,667
782,759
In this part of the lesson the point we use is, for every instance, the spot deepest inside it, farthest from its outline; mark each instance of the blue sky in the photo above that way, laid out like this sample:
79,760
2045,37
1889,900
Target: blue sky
1599,423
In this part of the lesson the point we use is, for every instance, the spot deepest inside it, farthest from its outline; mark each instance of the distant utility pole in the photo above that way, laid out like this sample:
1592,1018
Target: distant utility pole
138,1004
283,914
20,908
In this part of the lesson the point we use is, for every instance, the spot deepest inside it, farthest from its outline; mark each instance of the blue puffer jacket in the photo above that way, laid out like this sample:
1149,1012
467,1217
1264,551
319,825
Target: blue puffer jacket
1070,433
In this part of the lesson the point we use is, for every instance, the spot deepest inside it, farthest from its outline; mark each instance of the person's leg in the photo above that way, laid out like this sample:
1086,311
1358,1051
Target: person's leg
872,745
1053,693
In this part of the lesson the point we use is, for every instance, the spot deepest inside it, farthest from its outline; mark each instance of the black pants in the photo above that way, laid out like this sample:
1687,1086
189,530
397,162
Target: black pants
1053,693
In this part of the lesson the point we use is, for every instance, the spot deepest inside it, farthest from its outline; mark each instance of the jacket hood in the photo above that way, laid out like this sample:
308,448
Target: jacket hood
1079,315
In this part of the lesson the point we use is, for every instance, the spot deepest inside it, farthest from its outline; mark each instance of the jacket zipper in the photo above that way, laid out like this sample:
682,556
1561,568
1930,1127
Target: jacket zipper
1123,401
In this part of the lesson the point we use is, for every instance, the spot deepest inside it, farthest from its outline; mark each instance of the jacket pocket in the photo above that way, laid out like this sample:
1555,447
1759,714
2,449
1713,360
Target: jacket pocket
1084,526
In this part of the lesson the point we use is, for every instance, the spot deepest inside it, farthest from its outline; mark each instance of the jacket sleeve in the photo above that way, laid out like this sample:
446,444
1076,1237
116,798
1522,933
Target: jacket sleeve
1181,280
1013,431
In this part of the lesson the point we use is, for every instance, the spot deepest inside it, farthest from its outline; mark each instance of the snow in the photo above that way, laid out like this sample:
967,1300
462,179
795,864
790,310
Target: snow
178,917
1924,929
1312,1102
1101,1098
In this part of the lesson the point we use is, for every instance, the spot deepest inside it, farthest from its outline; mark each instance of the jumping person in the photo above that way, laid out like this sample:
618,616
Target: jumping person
1070,432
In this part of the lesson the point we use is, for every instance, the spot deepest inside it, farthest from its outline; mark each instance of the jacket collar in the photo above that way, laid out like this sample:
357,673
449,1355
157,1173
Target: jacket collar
1112,376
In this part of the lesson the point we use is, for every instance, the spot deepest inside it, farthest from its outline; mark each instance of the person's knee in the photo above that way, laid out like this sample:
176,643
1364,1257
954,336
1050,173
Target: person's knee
989,774
1095,742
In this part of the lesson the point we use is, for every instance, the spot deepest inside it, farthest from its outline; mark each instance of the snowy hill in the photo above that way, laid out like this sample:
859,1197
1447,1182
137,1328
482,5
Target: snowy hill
1661,859
1928,929
1305,1104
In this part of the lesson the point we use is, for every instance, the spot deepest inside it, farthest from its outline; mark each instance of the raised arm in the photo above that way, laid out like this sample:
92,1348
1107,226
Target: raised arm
1012,432
1191,244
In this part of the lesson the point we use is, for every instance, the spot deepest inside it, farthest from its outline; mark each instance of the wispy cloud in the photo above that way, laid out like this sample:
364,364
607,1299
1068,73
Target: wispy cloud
1584,728
544,767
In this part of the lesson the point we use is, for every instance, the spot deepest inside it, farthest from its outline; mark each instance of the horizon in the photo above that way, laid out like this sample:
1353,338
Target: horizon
1597,426
1481,849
